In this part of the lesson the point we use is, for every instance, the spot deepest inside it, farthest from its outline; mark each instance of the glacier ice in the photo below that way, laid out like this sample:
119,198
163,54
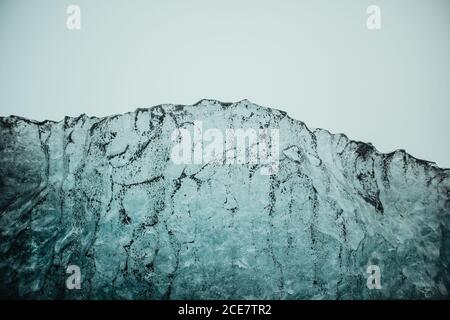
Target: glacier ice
102,194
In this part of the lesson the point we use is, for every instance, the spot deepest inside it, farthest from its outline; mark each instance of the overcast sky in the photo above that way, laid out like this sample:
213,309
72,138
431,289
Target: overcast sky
315,59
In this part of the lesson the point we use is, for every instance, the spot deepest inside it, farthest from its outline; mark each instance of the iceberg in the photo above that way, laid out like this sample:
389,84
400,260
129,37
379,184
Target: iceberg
104,195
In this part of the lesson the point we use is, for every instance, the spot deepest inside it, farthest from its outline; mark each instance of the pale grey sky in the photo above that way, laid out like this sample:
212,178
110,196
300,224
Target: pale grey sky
314,59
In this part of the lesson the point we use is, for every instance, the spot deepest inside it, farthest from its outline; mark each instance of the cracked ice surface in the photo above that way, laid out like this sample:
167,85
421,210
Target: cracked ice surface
102,193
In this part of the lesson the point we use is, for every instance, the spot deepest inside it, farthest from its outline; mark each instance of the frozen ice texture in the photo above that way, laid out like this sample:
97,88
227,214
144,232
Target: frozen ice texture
102,193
